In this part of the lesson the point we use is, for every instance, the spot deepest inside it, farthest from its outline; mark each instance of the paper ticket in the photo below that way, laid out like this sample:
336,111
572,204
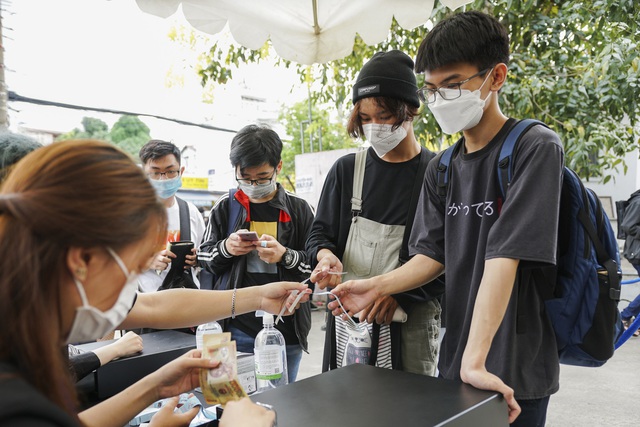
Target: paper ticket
220,385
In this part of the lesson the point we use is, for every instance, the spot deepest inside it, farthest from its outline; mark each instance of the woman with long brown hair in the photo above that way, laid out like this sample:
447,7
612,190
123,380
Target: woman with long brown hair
78,221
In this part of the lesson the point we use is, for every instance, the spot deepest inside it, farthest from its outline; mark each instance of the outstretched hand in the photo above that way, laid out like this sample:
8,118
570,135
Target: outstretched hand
355,295
321,275
381,311
275,295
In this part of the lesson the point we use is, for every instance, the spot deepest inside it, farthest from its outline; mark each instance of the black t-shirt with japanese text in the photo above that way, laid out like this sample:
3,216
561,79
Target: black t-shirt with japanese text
475,225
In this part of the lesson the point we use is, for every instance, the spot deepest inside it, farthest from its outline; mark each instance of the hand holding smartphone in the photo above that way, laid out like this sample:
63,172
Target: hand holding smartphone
181,248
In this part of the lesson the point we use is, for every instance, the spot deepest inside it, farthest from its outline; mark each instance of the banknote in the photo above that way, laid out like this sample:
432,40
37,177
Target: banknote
220,385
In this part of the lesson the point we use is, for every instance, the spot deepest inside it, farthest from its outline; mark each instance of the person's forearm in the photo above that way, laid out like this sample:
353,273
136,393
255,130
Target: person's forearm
491,303
121,408
419,270
106,353
182,308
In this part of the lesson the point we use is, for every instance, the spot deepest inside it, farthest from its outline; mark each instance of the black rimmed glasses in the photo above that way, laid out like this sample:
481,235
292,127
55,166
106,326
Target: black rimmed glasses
259,181
167,174
449,91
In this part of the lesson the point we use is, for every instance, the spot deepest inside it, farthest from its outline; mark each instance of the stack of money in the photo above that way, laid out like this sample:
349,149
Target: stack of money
220,385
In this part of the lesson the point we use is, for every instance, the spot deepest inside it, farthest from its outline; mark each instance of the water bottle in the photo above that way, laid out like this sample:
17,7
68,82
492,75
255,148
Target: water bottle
270,356
206,328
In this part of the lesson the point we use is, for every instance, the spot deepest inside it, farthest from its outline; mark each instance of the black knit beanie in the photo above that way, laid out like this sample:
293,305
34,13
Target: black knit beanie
390,75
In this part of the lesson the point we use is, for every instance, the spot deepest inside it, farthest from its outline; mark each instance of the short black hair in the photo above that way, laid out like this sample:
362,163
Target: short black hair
254,146
156,149
470,37
14,147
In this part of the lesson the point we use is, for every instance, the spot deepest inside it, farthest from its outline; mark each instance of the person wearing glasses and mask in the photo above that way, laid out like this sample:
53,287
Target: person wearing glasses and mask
281,221
499,336
161,163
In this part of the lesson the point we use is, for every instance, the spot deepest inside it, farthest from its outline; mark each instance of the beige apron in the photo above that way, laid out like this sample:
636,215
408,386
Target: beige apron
373,249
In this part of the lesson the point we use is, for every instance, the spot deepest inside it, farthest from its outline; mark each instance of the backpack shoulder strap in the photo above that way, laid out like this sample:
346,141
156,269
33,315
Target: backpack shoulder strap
505,160
444,172
358,179
234,211
233,208
185,220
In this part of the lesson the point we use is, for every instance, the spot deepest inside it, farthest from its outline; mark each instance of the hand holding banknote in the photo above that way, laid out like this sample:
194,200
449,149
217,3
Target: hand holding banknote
180,375
220,385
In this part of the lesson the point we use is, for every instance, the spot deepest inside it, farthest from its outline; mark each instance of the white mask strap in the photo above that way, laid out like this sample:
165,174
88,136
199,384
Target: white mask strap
83,295
485,80
119,261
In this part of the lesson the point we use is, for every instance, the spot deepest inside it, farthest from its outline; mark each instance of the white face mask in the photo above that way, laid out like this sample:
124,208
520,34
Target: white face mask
91,323
461,113
259,191
383,138
165,188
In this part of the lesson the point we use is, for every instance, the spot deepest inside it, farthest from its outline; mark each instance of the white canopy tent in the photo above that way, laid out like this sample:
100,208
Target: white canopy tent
303,31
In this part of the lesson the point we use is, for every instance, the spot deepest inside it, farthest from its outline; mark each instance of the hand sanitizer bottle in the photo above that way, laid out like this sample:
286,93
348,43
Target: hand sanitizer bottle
206,328
270,356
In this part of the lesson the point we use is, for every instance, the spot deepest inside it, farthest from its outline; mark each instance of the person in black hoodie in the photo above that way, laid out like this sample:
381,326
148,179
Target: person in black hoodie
281,221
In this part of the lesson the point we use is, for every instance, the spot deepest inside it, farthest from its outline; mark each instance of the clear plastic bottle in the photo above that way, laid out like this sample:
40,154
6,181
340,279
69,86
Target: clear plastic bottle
206,328
270,356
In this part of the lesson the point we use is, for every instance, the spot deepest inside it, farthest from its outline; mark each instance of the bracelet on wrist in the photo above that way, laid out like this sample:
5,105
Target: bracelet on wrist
233,304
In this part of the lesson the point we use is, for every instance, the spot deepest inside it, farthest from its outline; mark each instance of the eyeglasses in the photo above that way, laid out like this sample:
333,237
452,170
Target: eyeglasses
167,174
259,181
448,92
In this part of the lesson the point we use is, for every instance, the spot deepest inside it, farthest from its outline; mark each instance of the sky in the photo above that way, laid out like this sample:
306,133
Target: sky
109,54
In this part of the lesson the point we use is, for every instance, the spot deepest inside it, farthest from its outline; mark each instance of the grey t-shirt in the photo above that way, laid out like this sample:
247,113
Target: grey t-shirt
474,225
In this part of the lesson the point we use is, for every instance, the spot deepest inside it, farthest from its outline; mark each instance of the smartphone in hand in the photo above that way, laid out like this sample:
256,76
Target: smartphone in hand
181,248
248,236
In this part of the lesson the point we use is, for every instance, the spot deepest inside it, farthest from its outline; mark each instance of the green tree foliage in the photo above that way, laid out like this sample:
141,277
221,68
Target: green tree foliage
92,128
128,133
574,65
325,132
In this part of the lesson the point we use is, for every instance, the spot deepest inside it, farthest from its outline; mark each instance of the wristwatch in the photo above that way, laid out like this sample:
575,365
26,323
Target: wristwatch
287,258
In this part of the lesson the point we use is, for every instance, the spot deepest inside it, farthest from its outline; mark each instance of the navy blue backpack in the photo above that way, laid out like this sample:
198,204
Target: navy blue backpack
583,302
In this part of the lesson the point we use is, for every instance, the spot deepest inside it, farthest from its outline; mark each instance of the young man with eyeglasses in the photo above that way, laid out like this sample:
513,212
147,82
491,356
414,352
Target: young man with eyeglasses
498,335
161,163
282,222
